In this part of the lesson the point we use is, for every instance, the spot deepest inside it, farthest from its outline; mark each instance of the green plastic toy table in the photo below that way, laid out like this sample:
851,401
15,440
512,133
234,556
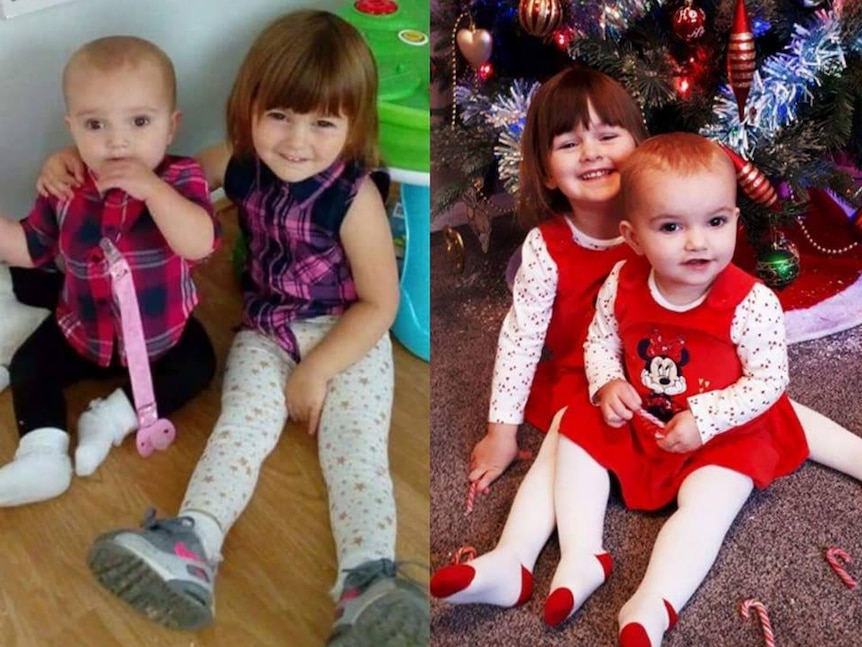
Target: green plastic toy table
398,34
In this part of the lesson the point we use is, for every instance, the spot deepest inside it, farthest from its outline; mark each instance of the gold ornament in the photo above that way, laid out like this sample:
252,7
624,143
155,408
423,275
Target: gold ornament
454,247
475,45
540,17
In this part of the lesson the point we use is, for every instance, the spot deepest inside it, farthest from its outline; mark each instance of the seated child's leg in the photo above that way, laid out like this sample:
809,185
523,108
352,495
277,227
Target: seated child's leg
178,376
830,444
684,552
21,314
582,490
353,438
504,576
41,368
37,287
141,566
376,604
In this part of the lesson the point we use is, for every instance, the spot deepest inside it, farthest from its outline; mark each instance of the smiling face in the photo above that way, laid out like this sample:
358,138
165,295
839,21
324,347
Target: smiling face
122,113
685,224
584,163
298,146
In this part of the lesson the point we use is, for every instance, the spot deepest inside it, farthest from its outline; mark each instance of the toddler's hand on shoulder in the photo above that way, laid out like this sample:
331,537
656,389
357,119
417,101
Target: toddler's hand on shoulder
680,435
129,175
493,454
304,394
62,172
618,401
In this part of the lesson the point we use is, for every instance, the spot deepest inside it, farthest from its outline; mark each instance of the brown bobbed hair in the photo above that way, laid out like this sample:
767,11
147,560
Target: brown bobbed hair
560,105
308,61
682,154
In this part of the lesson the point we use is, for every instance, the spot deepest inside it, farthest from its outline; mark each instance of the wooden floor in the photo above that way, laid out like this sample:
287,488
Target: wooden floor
272,588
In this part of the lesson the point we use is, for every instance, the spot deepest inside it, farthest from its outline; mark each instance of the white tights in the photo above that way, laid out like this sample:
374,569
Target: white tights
709,501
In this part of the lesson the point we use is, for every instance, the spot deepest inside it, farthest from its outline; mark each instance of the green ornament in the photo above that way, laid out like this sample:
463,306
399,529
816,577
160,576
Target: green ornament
779,265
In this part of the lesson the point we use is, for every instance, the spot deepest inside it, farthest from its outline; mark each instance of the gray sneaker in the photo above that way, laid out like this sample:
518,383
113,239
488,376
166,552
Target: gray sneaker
160,570
381,608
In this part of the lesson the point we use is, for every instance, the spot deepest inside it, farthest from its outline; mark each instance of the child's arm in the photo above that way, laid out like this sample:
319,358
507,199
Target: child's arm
367,242
759,334
187,226
214,162
608,386
519,348
62,172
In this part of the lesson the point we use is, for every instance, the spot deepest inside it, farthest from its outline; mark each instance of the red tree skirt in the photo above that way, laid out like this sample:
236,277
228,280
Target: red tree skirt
826,297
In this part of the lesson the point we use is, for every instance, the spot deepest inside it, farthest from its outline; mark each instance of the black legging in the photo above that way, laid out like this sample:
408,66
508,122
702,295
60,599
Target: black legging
38,287
45,364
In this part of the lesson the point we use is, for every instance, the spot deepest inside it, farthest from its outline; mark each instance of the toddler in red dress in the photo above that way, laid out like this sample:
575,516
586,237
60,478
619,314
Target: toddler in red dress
684,338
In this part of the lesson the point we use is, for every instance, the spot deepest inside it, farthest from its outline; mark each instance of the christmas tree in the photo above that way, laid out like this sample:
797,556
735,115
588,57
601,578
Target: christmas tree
778,82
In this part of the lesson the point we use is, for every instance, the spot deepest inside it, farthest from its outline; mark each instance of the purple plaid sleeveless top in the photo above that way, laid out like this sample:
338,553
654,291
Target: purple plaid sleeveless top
296,267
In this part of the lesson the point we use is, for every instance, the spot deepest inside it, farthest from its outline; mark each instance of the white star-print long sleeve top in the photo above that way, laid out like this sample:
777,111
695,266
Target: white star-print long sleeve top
522,335
757,330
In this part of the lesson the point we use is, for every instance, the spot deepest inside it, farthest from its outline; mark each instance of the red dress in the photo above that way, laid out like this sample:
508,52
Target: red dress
691,348
581,272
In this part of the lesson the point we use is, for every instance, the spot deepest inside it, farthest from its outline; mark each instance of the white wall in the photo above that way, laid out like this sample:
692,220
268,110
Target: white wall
205,38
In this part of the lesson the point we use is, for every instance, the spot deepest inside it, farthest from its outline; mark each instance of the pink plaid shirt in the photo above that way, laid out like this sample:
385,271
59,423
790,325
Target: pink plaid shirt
72,229
296,266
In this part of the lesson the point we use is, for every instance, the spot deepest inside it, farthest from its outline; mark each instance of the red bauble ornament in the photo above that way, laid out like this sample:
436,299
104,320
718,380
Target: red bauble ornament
740,57
753,183
688,22
540,17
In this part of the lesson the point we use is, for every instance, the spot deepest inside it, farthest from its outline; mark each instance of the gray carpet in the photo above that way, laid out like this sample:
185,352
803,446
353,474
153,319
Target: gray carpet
774,551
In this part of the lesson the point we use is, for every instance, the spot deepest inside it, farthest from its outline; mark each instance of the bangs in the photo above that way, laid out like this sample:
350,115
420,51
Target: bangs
308,62
570,105
316,83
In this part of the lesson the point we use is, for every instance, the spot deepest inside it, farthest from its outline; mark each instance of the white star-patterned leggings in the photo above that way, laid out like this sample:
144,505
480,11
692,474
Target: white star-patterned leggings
352,441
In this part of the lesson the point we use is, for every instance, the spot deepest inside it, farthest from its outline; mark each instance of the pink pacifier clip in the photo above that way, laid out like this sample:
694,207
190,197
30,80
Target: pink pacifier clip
153,432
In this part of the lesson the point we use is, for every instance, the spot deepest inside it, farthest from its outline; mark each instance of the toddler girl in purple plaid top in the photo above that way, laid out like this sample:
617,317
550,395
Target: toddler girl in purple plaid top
120,95
320,291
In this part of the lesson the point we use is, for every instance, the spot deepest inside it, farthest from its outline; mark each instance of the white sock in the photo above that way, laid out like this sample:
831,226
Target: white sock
651,613
4,377
497,578
209,531
41,468
105,423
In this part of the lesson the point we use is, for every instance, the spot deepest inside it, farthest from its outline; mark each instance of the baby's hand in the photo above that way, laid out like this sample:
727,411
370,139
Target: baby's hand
618,401
493,454
680,435
129,175
61,172
304,394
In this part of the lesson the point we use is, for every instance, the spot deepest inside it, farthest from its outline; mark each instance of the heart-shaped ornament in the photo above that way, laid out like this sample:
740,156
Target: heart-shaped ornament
475,45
